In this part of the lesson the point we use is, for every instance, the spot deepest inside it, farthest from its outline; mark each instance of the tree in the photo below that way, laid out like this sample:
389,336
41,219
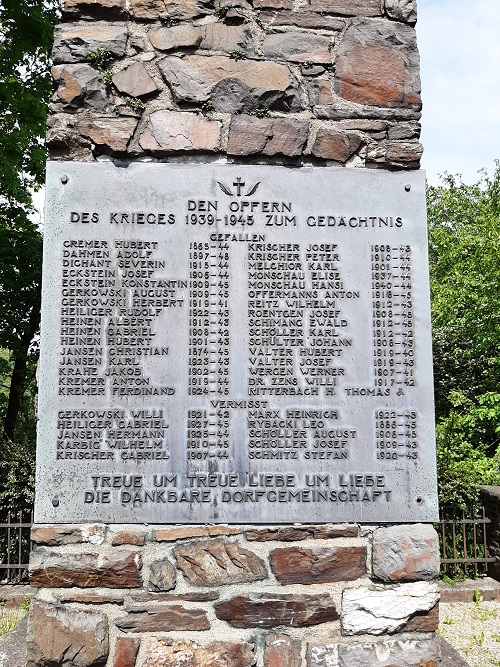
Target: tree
26,28
464,246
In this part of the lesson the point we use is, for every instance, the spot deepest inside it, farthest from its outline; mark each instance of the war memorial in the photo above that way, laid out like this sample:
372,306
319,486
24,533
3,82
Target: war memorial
235,459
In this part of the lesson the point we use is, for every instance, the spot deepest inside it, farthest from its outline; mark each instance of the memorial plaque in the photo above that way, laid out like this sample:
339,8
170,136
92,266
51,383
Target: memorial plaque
241,344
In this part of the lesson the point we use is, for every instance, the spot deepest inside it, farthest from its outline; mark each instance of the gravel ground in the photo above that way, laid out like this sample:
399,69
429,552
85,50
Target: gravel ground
473,629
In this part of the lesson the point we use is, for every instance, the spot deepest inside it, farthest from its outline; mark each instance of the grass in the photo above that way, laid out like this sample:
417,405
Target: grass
9,619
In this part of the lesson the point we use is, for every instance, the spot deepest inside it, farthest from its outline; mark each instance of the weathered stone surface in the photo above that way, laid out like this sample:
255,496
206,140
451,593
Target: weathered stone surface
348,7
79,84
375,610
320,92
58,635
175,10
402,10
273,4
377,64
297,565
406,553
265,610
342,110
179,533
185,532
55,536
268,136
297,47
126,652
193,78
133,537
404,131
282,651
109,597
334,145
162,618
218,562
162,576
141,601
92,9
86,570
424,621
396,153
189,654
298,533
170,131
61,133
302,19
135,81
226,38
364,125
73,42
112,133
388,653
175,37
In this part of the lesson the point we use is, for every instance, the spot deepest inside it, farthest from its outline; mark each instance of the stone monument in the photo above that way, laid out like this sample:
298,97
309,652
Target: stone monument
235,458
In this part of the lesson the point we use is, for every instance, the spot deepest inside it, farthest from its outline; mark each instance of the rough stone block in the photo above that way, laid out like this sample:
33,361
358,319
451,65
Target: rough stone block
273,4
267,136
377,64
56,536
126,652
297,47
171,132
296,565
73,42
179,533
133,537
334,145
298,533
348,7
140,601
86,570
265,610
218,562
173,10
302,19
282,651
404,154
95,9
58,635
61,133
79,84
162,576
402,10
180,36
108,132
110,597
135,81
320,92
388,653
159,618
376,610
189,654
406,553
409,130
193,79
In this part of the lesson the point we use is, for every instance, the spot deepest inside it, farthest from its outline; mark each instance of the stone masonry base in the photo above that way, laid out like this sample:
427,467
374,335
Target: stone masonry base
234,596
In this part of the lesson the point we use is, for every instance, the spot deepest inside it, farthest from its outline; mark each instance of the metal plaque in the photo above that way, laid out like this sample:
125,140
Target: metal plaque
240,344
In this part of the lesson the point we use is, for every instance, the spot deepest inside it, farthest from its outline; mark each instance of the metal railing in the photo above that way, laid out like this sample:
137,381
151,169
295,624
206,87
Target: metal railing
15,546
464,545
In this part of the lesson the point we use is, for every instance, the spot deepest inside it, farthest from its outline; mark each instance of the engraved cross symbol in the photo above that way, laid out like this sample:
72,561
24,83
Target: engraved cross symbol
239,185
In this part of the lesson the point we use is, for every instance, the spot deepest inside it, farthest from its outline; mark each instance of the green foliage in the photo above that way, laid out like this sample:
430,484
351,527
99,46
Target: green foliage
26,28
100,59
135,103
237,55
464,247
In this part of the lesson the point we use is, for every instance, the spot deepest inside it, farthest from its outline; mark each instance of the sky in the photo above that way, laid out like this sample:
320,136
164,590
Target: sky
459,42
